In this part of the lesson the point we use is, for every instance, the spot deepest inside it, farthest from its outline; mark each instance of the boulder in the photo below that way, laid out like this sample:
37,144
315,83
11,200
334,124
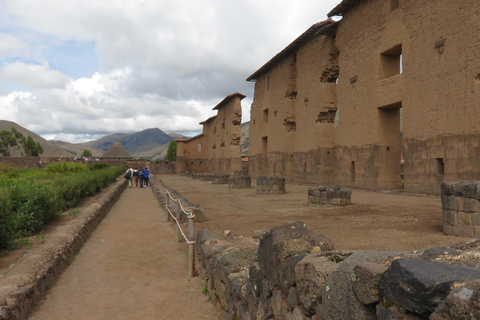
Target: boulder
310,275
419,285
284,242
367,276
462,303
339,299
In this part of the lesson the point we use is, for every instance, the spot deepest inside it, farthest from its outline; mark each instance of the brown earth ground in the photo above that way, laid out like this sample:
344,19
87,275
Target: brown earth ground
375,221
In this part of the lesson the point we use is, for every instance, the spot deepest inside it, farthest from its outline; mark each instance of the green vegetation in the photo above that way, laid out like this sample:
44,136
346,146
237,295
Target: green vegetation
29,198
86,154
172,151
11,140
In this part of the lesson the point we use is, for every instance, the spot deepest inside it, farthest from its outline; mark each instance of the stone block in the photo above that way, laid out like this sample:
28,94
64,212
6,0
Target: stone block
336,201
468,231
457,230
462,300
476,230
419,286
447,229
460,203
476,219
452,218
367,275
464,218
471,190
471,205
451,203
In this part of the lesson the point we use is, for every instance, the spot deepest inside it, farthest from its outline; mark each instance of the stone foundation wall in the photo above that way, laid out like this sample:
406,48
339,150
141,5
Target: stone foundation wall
220,178
289,272
329,196
270,185
461,208
17,297
240,180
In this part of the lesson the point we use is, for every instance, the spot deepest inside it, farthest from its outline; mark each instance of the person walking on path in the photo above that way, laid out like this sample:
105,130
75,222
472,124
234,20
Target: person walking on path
140,177
130,179
146,175
135,177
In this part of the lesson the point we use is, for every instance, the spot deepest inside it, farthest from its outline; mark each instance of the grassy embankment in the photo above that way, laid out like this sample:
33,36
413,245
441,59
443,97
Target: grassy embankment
29,198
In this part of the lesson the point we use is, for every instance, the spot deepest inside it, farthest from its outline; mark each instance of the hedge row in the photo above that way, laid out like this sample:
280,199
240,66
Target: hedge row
26,205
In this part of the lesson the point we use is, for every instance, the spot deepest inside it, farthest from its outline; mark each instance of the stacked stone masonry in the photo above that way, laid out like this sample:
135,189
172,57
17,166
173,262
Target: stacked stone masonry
324,196
461,208
270,185
289,272
240,180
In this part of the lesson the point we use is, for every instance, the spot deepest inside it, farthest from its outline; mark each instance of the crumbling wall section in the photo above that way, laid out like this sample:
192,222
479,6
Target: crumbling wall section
289,272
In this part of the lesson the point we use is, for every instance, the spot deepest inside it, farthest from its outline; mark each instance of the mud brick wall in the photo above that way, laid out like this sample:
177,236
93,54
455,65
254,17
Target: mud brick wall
289,272
461,208
329,196
270,185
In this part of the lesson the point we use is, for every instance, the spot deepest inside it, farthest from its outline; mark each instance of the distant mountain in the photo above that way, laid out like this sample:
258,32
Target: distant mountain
149,144
77,149
49,149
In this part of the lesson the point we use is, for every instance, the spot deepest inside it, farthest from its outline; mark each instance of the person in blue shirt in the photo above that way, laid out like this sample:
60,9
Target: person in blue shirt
146,174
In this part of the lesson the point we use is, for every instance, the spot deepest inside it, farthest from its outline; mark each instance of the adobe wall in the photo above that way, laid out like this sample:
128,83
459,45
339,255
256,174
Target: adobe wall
433,98
291,118
217,149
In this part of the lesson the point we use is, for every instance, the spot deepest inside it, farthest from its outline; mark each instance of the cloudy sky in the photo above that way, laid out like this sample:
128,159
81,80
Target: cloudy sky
76,70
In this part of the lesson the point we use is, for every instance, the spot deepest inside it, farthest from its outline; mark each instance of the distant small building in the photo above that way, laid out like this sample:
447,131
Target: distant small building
117,151
217,148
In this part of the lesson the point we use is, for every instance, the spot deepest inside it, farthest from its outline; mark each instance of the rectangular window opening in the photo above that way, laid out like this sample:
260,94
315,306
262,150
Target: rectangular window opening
199,146
264,145
440,166
265,116
352,170
305,167
391,62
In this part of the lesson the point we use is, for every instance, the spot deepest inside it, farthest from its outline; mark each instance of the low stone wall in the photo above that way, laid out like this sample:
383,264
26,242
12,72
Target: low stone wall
461,208
24,284
240,179
270,185
323,196
292,273
220,178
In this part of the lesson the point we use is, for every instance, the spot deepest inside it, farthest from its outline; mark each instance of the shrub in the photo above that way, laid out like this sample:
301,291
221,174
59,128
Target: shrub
99,166
27,204
64,167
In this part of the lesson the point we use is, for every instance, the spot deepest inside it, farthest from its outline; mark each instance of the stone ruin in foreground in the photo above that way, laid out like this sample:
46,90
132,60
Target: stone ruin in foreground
289,272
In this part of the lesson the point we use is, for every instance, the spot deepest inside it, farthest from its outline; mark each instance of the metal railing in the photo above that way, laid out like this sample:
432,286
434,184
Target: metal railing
190,240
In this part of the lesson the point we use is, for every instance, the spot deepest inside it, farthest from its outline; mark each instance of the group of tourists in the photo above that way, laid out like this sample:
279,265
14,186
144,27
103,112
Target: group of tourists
137,177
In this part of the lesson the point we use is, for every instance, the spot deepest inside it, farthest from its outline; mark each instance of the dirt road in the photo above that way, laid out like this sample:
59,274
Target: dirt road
375,221
130,268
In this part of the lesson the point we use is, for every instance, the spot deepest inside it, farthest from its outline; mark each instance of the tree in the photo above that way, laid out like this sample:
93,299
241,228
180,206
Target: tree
9,141
86,154
31,148
172,151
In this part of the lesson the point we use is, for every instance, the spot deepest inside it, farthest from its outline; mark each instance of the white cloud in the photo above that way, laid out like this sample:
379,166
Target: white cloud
32,76
11,46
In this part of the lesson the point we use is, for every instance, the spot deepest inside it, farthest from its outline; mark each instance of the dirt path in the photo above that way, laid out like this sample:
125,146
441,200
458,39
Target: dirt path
130,268
375,221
